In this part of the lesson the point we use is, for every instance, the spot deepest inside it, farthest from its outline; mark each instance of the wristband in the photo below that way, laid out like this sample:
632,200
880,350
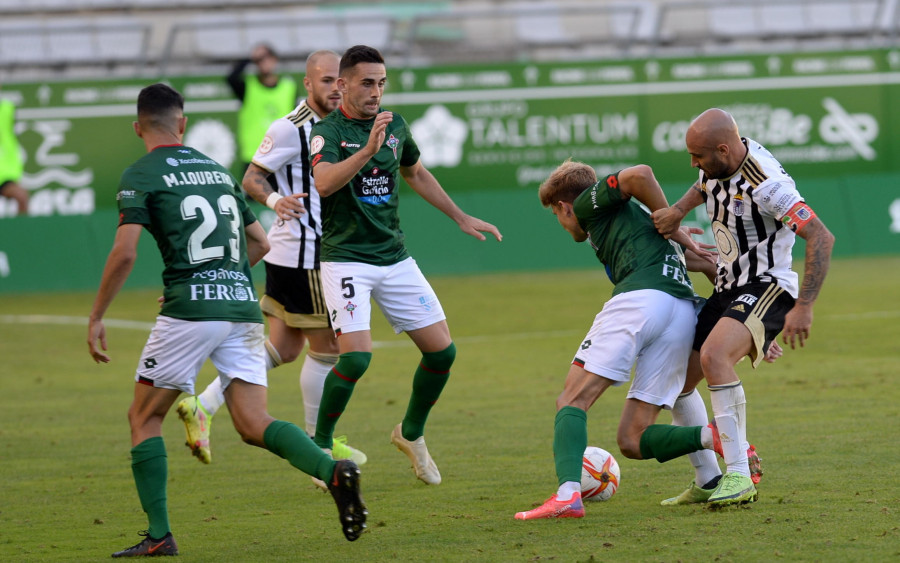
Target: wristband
272,199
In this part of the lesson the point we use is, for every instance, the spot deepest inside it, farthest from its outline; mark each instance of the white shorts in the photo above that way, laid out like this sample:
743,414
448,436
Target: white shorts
401,291
176,350
649,329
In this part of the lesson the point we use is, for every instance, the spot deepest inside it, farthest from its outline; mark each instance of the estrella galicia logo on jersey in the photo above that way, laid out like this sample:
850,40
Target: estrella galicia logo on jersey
392,144
738,205
150,363
172,161
374,187
345,144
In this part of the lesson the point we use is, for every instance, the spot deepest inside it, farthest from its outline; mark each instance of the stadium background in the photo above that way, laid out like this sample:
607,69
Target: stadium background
497,93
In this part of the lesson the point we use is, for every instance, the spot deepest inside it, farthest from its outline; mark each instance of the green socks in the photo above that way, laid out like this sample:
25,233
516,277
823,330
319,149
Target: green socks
428,382
288,441
336,393
149,465
569,443
665,442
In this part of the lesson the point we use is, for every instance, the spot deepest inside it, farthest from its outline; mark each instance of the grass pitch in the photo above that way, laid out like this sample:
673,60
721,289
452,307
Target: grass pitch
825,419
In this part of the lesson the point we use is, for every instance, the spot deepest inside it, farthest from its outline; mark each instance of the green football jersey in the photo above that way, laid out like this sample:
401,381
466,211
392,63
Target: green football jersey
360,222
196,212
622,235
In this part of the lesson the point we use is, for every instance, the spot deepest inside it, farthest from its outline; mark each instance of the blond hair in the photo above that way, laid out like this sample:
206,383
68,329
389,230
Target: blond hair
566,183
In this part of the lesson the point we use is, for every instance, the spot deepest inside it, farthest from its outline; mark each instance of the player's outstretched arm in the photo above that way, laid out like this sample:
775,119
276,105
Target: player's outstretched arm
256,184
257,242
667,220
119,264
426,185
819,242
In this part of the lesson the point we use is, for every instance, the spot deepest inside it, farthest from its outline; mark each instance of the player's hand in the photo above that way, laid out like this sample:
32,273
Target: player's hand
474,226
797,324
667,220
290,207
376,136
683,237
97,332
773,353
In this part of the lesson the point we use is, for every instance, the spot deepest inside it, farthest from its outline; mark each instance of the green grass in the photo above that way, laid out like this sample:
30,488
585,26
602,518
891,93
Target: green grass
826,421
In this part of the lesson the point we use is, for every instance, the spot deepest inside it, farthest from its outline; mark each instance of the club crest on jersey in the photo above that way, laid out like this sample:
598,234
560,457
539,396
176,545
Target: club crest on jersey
350,307
393,143
738,206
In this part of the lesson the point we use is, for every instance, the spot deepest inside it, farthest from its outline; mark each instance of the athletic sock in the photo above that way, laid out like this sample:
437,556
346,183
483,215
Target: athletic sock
213,397
428,382
273,358
730,407
664,441
689,410
336,393
288,441
150,468
569,443
567,490
312,381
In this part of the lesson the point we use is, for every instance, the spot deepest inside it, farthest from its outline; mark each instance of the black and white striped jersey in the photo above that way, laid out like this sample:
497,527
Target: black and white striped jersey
746,212
284,152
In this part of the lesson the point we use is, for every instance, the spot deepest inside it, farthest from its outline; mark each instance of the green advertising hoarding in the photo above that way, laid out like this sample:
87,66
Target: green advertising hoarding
491,134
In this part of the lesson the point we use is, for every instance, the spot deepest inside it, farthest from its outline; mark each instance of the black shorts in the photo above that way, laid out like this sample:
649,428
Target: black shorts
760,306
295,296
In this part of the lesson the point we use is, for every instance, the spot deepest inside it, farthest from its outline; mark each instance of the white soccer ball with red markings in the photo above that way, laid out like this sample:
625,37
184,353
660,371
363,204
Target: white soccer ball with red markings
599,474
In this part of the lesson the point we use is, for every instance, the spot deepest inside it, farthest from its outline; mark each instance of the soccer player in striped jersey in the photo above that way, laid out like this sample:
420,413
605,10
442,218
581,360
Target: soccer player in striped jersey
756,213
293,301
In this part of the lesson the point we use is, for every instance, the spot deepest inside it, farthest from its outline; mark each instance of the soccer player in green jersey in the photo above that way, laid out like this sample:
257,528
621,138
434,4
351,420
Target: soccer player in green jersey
208,239
648,323
358,153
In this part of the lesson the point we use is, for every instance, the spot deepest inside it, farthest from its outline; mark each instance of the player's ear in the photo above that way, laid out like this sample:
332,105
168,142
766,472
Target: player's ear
137,128
182,124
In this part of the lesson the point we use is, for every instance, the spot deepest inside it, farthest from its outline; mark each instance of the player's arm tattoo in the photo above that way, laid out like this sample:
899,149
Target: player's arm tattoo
819,242
256,184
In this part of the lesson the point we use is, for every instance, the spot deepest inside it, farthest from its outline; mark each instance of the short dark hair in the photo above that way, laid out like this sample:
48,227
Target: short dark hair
359,54
158,99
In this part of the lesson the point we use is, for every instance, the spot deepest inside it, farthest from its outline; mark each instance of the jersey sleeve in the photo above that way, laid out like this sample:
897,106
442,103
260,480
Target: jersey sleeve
600,199
411,153
280,146
777,196
132,201
324,144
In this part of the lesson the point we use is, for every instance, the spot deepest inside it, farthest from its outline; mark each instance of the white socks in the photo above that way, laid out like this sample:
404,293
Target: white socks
312,380
689,410
730,408
567,489
212,397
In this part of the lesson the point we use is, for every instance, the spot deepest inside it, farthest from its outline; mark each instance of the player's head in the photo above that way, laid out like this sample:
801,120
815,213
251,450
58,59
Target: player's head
714,143
321,81
265,58
362,80
160,109
566,183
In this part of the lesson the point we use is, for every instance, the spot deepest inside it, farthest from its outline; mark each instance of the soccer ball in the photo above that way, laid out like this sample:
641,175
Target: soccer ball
599,474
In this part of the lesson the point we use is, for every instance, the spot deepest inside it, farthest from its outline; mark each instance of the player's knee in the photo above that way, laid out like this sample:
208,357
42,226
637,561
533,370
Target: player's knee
440,361
352,365
629,446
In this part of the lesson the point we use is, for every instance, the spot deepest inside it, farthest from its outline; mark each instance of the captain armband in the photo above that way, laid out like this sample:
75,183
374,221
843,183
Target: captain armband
799,215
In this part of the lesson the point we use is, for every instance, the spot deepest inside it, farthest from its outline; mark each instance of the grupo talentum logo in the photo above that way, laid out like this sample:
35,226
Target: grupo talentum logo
440,137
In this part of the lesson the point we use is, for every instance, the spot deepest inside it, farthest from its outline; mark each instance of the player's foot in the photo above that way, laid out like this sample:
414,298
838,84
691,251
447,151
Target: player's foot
733,488
344,487
150,547
693,495
340,450
417,452
753,459
572,508
196,424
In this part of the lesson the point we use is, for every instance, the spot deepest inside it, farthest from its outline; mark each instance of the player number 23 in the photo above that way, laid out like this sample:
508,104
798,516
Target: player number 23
228,208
